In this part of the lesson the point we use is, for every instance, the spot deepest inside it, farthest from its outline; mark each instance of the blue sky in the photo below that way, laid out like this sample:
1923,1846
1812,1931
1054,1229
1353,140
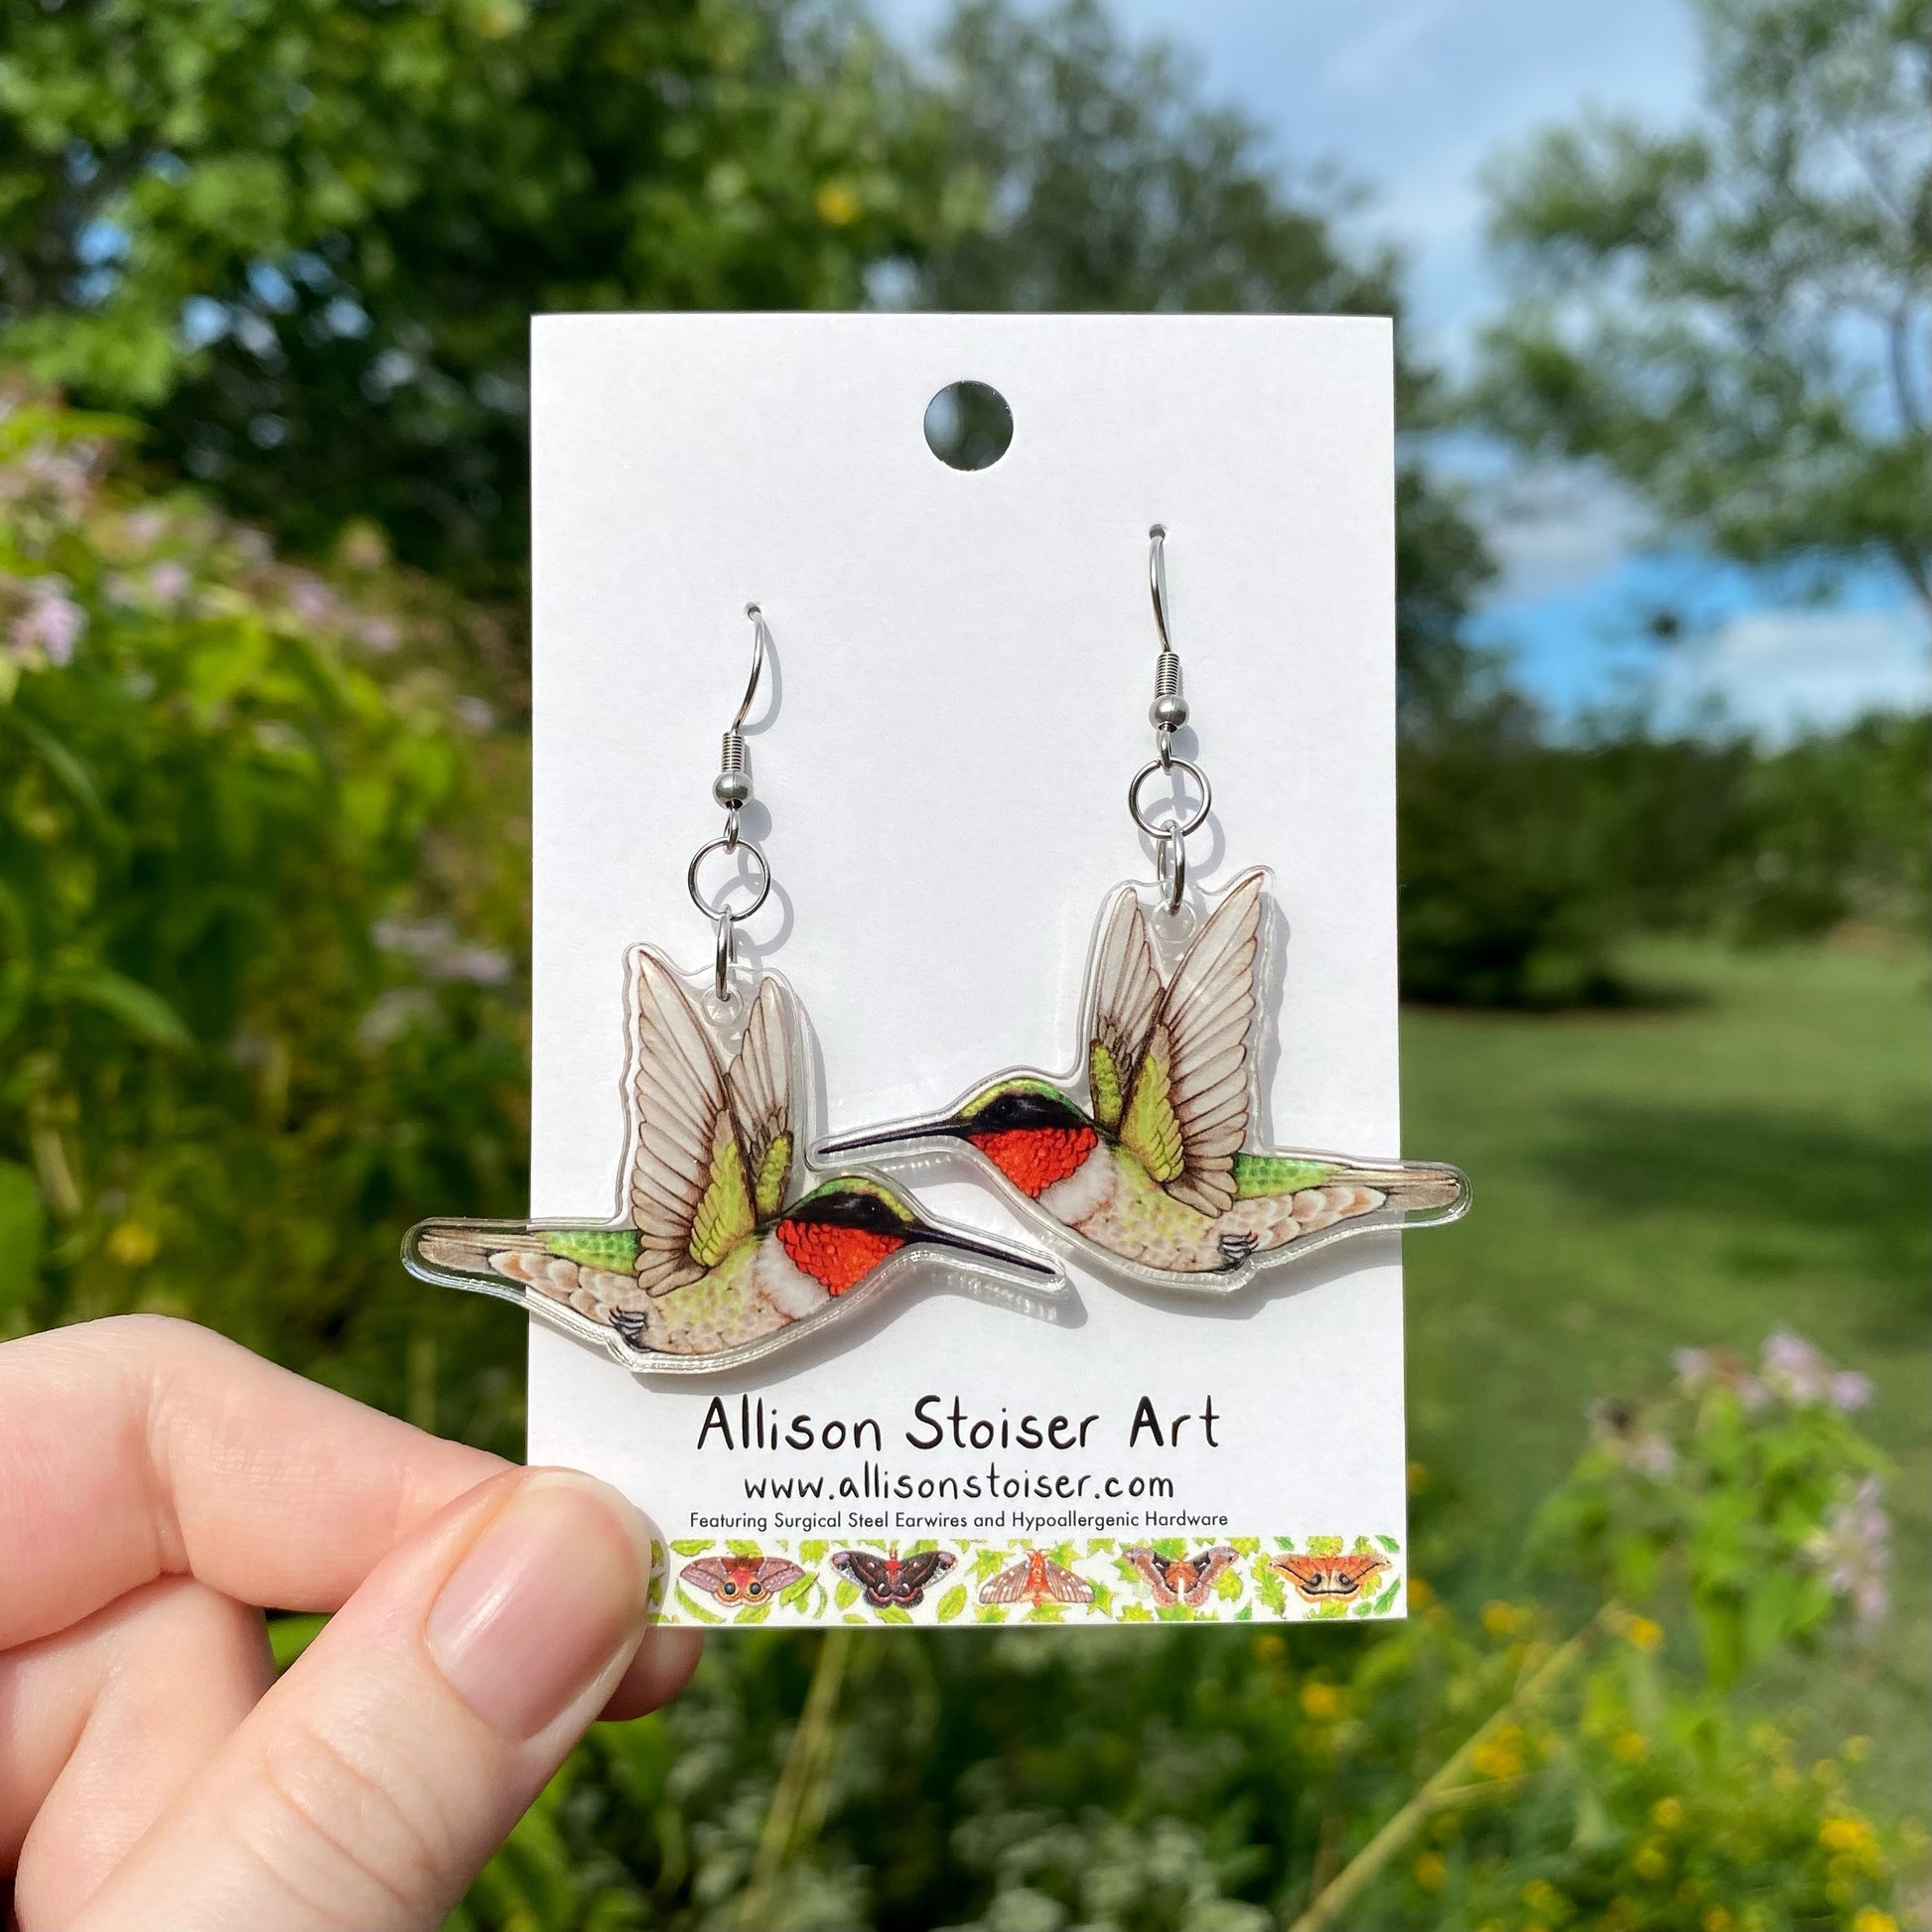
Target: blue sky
1415,99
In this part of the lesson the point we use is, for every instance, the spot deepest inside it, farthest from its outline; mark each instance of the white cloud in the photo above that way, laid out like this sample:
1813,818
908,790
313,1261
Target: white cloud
1779,673
1556,530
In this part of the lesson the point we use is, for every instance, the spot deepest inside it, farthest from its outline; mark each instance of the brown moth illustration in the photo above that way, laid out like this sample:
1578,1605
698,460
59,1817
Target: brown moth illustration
1330,1579
1182,1580
894,1581
742,1580
1037,1578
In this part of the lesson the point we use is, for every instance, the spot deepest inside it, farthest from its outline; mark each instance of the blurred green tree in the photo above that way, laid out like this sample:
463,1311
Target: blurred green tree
303,238
1735,320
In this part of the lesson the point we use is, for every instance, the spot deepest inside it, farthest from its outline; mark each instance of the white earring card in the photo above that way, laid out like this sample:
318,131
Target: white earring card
961,671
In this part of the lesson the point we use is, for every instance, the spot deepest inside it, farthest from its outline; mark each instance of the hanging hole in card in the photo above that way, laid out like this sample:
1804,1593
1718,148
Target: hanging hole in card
968,425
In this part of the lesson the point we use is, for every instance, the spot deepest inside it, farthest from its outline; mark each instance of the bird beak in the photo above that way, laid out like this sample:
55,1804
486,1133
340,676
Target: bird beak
938,1127
1016,1259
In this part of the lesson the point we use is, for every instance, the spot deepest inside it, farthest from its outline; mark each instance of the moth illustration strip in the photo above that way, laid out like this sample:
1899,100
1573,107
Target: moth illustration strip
969,1580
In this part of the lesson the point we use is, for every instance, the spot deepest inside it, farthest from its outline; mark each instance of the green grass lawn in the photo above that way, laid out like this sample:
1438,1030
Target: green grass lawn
1751,1153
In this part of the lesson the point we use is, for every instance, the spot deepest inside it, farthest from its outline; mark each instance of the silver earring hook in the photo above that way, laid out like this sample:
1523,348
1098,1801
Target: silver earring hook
761,637
1166,714
732,788
1157,581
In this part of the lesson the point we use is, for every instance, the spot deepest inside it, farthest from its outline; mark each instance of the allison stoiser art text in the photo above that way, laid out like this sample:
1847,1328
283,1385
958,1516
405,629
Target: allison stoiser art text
937,1422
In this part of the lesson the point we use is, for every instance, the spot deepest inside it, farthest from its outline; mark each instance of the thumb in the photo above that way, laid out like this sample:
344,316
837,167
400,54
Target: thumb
368,1786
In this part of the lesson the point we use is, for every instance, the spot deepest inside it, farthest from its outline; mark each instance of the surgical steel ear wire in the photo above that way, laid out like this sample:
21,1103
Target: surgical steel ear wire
733,791
1166,714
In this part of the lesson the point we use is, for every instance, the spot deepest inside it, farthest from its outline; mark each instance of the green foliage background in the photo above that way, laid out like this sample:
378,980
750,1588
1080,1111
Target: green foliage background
263,866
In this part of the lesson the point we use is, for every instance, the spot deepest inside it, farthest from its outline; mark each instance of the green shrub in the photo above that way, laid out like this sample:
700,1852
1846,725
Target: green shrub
261,916
1527,863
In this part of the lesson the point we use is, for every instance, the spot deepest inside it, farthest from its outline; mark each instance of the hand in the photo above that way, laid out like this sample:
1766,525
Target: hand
155,1483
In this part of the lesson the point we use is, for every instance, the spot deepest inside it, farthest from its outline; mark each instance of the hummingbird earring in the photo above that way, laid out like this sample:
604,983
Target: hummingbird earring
725,1245
1145,1160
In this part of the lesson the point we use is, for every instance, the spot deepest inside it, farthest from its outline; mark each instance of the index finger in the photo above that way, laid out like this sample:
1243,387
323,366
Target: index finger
140,1447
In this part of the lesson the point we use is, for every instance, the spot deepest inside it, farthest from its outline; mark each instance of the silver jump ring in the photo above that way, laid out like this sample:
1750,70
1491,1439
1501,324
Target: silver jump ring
726,956
702,904
1171,867
1200,811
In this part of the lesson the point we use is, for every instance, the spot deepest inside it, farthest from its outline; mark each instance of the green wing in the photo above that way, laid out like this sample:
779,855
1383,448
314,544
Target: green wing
689,1197
1151,1128
760,1095
1186,1113
725,1213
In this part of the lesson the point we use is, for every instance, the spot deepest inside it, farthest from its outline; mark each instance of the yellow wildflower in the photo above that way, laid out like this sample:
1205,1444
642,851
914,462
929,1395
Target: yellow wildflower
1848,1832
133,1245
1630,1746
1322,1702
1650,1862
838,205
1431,1871
1869,1918
1716,1919
1500,1757
1667,1813
1643,1634
1544,1899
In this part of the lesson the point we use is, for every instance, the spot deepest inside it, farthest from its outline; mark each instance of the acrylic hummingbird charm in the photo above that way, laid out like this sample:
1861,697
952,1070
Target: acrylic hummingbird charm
1149,1158
717,1255
725,1244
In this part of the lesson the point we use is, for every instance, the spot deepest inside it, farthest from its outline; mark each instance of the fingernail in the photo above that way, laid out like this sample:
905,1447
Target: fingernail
554,1588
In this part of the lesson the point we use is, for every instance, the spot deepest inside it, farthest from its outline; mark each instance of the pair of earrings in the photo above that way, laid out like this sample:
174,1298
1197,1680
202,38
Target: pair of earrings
731,1241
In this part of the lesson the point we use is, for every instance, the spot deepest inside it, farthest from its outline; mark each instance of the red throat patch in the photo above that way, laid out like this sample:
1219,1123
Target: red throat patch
836,1258
1033,1157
